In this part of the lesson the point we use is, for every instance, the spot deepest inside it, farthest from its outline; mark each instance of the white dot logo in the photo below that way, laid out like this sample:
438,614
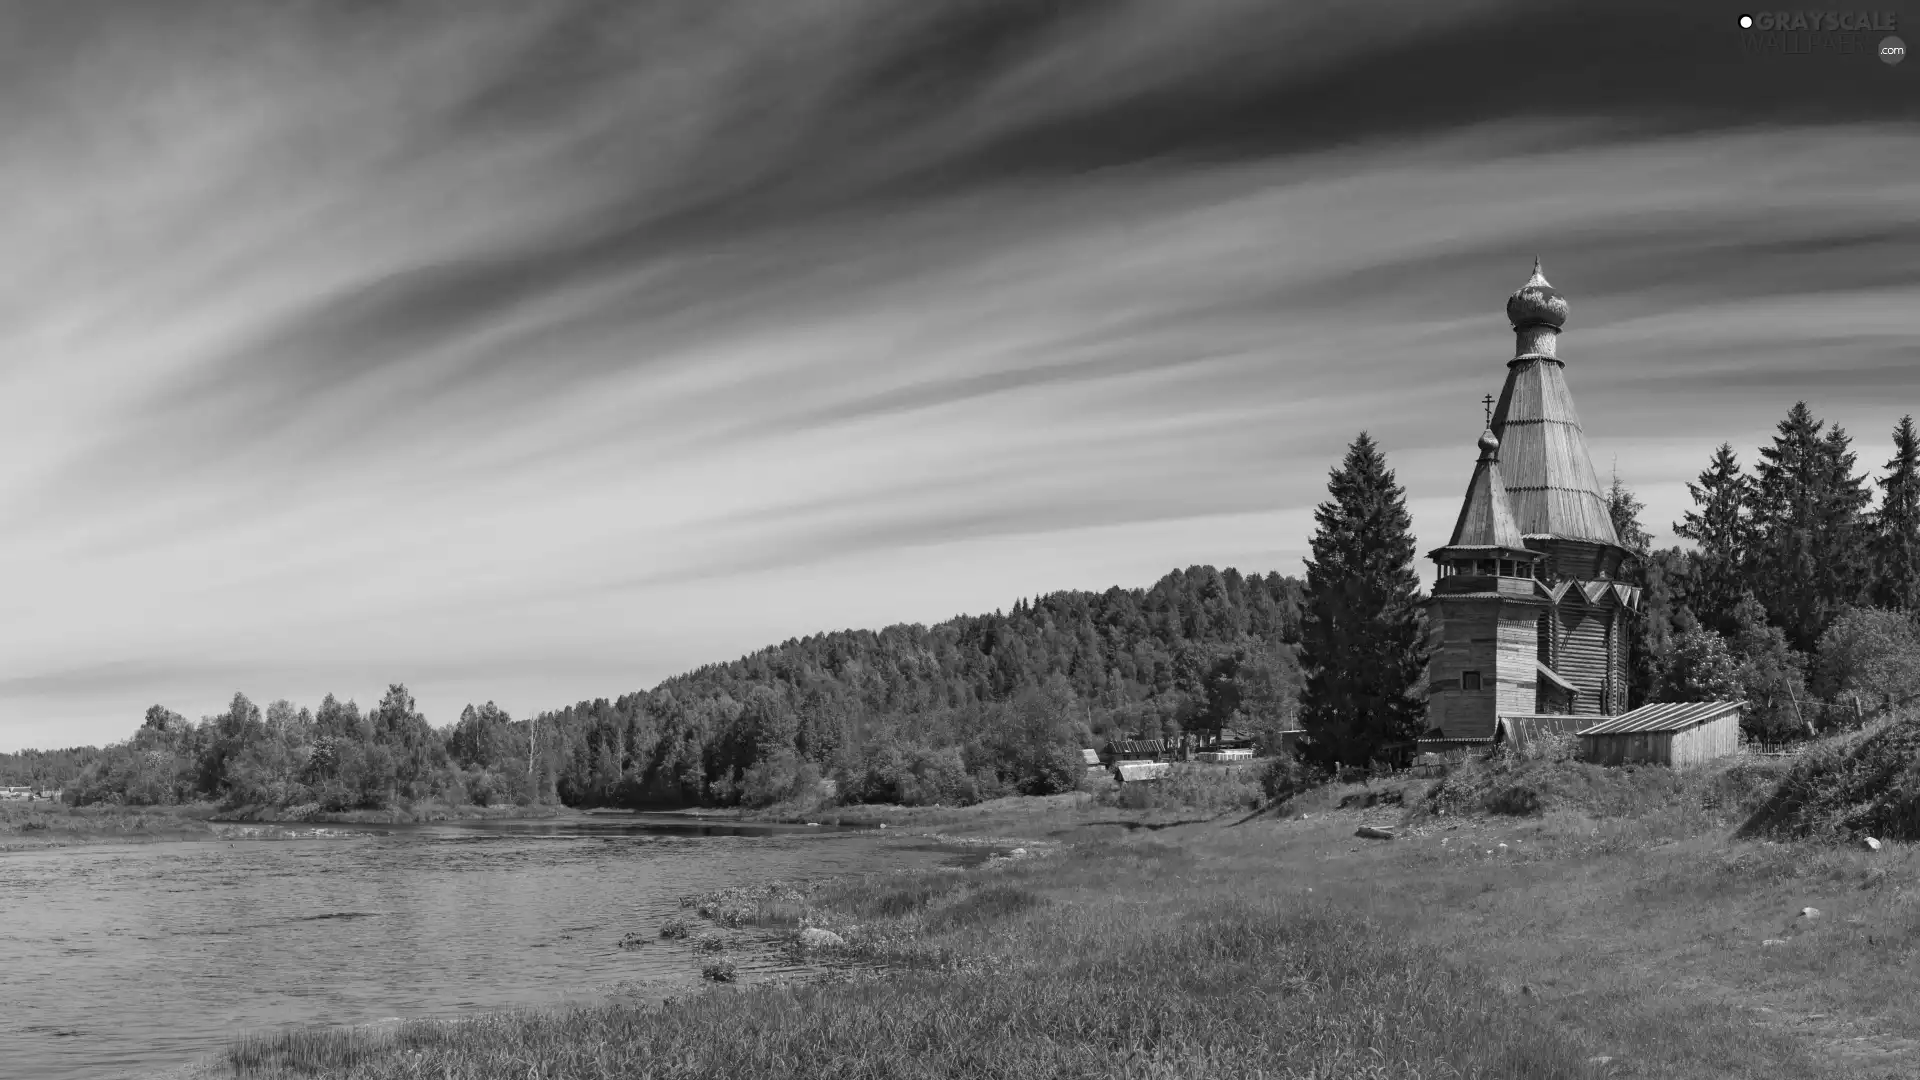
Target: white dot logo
1892,50
1746,22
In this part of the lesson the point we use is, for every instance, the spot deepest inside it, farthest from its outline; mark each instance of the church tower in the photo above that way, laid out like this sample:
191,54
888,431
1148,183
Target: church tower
1526,616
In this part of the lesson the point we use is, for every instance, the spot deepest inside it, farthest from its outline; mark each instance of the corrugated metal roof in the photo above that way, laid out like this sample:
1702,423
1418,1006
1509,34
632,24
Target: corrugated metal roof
1090,756
1522,728
1663,716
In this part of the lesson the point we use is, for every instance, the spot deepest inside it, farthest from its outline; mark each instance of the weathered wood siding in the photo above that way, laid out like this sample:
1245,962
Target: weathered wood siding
1706,742
1583,654
1516,649
1700,743
1469,638
1639,747
1497,639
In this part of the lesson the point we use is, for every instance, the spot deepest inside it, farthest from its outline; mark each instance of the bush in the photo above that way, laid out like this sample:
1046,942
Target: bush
778,777
1285,777
1865,784
1192,786
1872,653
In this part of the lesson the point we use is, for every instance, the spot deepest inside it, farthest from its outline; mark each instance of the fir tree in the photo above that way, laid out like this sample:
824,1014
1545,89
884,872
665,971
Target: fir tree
1647,627
1896,560
1625,510
1668,581
1363,638
1723,531
1812,541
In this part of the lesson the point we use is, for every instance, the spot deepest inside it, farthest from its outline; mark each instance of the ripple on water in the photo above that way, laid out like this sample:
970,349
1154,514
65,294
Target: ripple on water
188,944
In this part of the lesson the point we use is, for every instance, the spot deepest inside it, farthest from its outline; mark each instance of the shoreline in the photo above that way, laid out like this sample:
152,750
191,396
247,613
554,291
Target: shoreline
1166,951
59,827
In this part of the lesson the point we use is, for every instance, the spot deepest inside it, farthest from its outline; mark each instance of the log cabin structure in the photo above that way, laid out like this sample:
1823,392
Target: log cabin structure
1527,619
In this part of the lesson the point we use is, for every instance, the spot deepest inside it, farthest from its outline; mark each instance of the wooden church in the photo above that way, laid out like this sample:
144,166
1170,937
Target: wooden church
1527,619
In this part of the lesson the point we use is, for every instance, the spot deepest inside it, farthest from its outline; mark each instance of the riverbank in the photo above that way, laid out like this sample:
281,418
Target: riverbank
35,825
1618,930
416,814
38,825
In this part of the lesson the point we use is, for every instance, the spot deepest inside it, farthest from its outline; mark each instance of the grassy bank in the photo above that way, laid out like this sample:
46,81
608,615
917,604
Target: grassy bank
1191,792
39,824
1606,924
413,813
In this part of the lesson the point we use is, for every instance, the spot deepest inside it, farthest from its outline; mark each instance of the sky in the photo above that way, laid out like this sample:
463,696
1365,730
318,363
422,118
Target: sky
538,352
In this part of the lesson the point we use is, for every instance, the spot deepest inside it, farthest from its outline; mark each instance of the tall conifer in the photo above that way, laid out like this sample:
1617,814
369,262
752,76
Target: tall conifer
1362,638
1723,530
1896,560
1648,625
1813,542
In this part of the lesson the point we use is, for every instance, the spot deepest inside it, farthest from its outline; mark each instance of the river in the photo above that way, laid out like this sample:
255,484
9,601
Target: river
134,959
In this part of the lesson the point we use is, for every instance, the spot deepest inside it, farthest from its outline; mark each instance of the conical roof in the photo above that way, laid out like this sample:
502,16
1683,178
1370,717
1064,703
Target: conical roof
1548,469
1486,517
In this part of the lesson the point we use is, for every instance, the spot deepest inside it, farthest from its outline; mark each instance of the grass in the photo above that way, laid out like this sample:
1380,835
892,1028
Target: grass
39,824
1535,918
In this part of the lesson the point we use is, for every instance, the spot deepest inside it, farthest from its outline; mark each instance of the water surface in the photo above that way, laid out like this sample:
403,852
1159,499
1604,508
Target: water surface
135,959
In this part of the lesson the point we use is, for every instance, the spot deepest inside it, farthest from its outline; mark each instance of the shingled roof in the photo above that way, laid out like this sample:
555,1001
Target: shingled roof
1486,517
1548,469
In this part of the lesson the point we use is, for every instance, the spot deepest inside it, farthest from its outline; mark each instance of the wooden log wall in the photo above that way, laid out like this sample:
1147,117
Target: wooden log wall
1585,651
1516,650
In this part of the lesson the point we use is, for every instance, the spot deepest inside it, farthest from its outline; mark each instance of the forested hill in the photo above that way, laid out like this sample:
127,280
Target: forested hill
1199,646
1117,647
971,707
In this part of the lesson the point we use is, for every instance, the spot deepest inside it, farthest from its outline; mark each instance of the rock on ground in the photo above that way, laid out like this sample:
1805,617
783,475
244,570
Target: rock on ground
815,938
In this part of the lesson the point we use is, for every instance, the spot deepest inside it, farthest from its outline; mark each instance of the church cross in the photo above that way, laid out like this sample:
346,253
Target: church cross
1488,402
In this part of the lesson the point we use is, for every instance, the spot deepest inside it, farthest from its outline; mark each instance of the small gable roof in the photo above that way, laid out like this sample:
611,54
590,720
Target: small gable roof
1663,716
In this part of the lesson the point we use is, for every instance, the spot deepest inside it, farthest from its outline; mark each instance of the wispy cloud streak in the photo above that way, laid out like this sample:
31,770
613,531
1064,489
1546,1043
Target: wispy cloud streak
531,352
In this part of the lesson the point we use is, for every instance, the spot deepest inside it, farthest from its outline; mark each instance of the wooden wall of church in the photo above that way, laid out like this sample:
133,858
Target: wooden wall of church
1518,649
1584,655
1498,640
1469,639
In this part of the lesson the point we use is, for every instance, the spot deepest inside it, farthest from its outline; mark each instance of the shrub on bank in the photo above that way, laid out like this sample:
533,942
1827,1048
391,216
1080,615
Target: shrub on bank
1862,784
1517,786
1191,786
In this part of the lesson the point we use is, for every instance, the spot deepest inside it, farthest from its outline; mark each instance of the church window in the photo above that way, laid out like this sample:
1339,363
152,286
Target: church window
1469,680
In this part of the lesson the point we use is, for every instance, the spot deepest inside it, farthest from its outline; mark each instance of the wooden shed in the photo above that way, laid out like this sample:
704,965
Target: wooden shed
1665,733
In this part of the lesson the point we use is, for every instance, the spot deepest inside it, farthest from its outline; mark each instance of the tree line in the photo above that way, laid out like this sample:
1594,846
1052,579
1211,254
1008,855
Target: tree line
971,708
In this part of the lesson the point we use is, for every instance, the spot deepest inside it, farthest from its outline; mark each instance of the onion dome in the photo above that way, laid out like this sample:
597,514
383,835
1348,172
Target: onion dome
1537,303
1489,443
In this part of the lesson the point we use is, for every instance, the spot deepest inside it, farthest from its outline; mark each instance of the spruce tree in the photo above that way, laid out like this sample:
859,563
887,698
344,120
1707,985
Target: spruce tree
1643,633
1723,531
1625,509
1896,561
1362,640
1812,540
